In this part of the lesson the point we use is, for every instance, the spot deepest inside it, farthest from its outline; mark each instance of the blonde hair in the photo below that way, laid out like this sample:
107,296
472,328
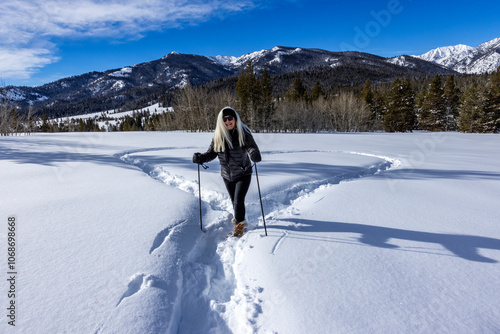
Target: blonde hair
221,134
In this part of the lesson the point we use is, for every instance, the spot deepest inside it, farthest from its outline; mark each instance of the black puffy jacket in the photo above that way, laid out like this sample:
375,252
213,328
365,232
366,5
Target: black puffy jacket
235,162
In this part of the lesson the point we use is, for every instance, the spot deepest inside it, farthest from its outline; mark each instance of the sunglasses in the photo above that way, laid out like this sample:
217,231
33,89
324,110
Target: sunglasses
228,118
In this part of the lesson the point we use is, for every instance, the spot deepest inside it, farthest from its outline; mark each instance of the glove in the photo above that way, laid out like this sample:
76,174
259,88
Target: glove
256,157
197,159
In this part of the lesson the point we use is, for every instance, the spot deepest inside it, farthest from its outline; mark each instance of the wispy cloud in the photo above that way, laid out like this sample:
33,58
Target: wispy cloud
29,27
21,63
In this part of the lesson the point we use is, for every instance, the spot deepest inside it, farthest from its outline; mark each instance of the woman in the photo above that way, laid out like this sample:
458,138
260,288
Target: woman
233,143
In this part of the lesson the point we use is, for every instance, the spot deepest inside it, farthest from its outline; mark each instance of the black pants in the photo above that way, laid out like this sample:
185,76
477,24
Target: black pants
237,191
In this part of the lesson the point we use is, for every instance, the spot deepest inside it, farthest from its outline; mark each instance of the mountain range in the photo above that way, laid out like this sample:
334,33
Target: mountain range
116,86
485,58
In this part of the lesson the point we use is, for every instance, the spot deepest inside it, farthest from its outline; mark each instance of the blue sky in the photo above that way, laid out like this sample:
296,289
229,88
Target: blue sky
45,40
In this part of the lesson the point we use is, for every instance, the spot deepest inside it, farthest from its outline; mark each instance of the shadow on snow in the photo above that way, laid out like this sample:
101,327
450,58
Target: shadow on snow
430,174
464,246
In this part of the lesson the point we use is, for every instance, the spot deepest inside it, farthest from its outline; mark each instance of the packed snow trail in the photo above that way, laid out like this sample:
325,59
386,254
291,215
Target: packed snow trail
201,289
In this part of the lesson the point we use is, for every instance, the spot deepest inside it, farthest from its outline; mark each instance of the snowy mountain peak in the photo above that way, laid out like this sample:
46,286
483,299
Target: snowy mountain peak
224,60
173,53
440,54
494,43
253,57
485,58
256,56
235,62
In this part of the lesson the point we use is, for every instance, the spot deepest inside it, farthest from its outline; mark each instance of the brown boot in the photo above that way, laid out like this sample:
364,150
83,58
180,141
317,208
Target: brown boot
238,228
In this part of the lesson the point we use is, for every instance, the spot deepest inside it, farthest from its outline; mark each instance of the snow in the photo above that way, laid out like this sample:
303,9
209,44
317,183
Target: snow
494,43
234,62
115,116
401,61
253,57
124,72
225,60
333,62
367,233
14,94
488,64
118,85
443,54
484,58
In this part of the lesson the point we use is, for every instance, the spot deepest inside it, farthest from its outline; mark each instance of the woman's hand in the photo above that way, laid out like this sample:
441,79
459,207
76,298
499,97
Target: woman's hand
255,156
197,158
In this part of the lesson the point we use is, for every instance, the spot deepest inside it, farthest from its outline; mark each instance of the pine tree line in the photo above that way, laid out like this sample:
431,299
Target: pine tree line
470,105
437,106
463,103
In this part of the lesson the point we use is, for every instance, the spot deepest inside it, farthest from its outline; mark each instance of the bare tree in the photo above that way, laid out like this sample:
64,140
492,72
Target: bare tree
4,112
348,113
196,109
15,122
30,121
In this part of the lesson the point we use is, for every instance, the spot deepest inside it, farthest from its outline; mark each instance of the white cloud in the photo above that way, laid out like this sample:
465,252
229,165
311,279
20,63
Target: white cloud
19,63
27,27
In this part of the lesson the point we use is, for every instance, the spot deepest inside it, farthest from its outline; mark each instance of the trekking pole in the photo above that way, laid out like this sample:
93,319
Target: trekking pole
260,197
199,195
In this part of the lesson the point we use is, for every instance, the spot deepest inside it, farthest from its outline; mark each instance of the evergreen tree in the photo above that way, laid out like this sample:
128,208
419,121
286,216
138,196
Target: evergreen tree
392,116
492,103
400,111
367,93
376,103
296,91
45,125
247,91
266,99
256,110
245,86
409,105
317,92
471,113
377,111
433,111
452,102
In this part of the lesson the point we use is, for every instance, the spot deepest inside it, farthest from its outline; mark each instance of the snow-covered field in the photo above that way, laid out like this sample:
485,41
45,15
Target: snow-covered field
367,233
114,116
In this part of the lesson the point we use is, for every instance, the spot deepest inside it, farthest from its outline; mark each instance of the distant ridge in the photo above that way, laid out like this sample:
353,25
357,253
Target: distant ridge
112,88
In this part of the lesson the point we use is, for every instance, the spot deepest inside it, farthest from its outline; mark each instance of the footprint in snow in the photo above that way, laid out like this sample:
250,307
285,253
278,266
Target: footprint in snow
141,281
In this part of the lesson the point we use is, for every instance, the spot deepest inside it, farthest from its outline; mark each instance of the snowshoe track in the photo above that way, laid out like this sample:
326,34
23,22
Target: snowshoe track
207,276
